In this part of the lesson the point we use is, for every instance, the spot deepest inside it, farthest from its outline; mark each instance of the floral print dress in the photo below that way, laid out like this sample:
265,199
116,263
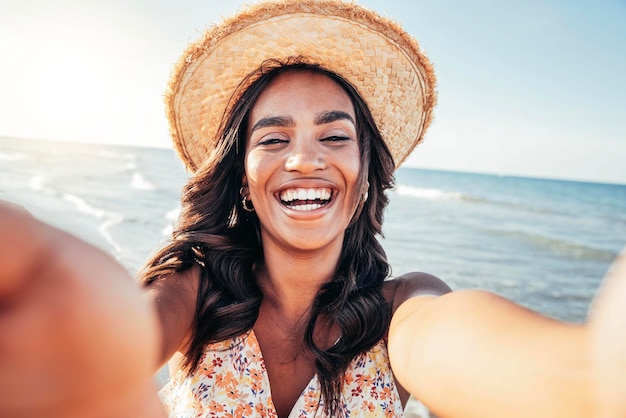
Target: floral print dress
231,381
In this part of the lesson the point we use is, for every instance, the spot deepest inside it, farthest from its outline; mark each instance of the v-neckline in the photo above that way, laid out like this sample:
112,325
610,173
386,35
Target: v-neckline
313,383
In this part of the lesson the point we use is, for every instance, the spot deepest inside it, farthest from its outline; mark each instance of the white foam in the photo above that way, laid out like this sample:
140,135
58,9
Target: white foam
84,207
108,154
115,155
140,183
171,216
38,183
12,157
129,159
427,194
109,219
113,219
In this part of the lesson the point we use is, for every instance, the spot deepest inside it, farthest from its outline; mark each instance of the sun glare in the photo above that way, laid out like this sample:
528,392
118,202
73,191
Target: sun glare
70,81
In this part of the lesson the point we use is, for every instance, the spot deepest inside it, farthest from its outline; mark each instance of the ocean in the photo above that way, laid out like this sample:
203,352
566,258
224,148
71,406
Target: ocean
545,244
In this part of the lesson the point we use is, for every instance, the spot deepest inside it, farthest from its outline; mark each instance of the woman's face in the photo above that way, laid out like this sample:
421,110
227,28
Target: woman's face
302,162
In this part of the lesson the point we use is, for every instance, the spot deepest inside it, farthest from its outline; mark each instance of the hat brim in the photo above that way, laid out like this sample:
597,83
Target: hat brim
383,63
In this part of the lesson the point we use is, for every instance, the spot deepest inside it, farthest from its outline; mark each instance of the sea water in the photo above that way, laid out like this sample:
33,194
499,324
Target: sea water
545,244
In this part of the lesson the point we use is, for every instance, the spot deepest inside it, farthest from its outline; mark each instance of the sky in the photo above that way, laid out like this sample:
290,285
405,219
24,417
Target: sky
534,88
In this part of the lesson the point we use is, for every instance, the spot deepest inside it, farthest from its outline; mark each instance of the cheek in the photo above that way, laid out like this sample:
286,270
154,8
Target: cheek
351,167
355,167
254,169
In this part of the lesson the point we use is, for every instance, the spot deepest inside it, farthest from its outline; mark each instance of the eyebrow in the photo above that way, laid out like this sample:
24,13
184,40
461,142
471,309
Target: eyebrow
282,121
332,116
287,121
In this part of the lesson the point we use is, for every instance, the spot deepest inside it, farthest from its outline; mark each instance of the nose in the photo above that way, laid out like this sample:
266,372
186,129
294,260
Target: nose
305,156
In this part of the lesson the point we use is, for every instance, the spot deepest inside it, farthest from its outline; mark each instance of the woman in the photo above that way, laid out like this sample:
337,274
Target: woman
277,237
271,298
293,264
276,242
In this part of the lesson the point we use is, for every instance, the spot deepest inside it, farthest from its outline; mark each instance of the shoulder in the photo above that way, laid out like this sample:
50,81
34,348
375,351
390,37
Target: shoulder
410,285
175,298
178,288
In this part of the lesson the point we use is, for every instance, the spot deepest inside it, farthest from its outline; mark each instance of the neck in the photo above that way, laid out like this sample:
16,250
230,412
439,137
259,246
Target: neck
290,280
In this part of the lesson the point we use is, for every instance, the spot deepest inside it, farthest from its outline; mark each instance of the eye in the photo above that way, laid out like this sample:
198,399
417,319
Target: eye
272,141
336,138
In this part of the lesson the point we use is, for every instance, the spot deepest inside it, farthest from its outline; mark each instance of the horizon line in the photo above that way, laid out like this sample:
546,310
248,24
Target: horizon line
439,169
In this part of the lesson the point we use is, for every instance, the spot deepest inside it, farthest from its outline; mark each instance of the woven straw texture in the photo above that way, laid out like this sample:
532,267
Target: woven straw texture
375,55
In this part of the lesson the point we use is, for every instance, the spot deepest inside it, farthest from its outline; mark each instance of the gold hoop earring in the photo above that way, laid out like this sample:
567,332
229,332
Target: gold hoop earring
367,192
245,202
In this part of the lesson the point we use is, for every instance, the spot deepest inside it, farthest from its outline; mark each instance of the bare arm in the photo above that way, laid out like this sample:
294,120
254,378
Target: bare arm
475,354
407,286
174,298
77,337
607,323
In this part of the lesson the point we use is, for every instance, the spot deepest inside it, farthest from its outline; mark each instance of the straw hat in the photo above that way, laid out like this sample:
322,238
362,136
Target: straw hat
374,54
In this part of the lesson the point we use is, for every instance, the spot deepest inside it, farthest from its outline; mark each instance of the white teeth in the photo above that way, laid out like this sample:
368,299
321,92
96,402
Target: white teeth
304,208
305,194
297,198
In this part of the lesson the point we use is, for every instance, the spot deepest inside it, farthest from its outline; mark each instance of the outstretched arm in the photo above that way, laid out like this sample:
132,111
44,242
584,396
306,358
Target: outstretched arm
607,323
475,354
77,337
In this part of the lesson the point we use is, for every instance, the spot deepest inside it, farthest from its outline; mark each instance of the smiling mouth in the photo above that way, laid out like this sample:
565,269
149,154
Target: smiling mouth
306,199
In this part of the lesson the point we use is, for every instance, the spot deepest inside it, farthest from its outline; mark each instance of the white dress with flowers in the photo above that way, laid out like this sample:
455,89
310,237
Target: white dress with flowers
231,381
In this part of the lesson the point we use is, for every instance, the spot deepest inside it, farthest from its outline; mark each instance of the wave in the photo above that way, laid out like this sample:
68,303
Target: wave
559,246
109,219
140,183
114,219
114,155
171,216
42,184
128,158
12,156
438,194
571,249
84,207
167,231
428,193
38,183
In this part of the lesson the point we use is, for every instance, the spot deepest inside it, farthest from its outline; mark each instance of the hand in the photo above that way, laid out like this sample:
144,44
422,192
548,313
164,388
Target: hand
77,336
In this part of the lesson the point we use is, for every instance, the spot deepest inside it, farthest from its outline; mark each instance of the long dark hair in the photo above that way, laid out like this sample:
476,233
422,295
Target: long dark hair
215,232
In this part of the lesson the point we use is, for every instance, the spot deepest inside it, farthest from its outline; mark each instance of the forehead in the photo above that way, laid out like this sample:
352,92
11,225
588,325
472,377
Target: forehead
294,89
